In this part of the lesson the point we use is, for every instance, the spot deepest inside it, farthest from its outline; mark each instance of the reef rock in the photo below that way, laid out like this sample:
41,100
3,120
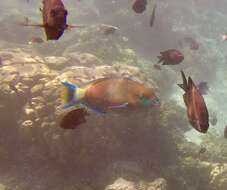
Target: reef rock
219,176
121,184
158,184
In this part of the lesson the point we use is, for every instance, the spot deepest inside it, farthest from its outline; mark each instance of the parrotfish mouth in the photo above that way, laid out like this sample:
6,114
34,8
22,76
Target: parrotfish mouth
151,102
155,102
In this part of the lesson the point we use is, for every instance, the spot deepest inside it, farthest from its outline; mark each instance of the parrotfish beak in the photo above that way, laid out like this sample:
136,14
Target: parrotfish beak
155,102
150,101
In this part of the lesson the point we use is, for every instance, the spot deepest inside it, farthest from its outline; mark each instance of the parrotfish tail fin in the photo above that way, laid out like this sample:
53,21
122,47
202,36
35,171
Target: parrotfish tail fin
68,95
184,86
160,57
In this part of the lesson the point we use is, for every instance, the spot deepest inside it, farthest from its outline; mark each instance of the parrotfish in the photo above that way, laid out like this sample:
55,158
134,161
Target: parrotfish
107,94
197,112
171,57
139,6
54,19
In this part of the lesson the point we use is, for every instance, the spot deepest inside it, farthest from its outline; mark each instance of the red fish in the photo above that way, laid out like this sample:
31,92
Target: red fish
157,66
139,6
193,44
74,118
171,57
197,112
54,19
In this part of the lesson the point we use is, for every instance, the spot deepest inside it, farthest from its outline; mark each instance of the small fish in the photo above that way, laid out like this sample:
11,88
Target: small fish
37,40
170,57
152,19
193,44
54,19
225,132
109,29
74,118
139,6
106,94
202,150
157,66
197,112
203,87
213,120
224,37
13,88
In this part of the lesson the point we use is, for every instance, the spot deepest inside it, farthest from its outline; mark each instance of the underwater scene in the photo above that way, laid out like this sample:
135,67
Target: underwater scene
113,95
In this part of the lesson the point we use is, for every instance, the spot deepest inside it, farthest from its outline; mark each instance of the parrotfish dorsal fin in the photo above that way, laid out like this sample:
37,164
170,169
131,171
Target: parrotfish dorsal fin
190,83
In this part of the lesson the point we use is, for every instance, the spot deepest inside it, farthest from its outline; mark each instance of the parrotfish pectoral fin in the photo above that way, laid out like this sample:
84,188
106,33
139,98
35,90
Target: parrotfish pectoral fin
124,105
97,110
68,94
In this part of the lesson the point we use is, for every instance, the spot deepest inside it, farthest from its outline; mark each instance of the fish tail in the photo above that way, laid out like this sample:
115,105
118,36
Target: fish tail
68,94
184,85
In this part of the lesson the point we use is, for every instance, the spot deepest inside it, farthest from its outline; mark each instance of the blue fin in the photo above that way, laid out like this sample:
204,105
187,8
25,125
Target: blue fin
97,110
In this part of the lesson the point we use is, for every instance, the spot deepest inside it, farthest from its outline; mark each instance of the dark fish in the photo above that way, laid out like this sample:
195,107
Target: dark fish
106,94
203,87
152,19
139,6
202,150
74,118
54,19
225,132
170,57
157,66
196,107
214,120
193,44
37,40
110,29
